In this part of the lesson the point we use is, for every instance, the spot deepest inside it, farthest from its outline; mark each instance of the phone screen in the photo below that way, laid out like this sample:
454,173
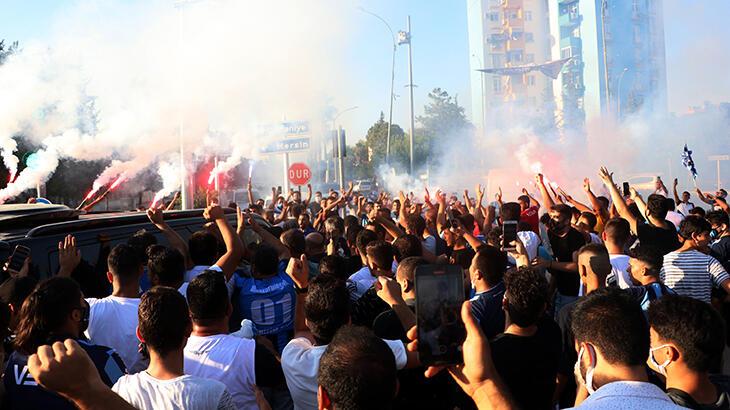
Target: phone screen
19,255
509,235
626,189
439,296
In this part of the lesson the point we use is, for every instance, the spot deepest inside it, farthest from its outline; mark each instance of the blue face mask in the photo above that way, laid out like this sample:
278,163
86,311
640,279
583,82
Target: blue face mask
714,234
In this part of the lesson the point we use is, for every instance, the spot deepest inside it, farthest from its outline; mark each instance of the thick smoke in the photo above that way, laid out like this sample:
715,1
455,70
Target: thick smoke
121,81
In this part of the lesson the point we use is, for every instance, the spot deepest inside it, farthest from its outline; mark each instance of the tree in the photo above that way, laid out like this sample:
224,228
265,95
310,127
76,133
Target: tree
6,51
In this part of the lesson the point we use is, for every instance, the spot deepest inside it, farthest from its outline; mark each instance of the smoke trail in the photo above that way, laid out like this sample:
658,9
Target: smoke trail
170,174
135,81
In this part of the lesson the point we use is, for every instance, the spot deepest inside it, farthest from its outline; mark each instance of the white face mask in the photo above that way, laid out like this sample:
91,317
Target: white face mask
661,368
588,380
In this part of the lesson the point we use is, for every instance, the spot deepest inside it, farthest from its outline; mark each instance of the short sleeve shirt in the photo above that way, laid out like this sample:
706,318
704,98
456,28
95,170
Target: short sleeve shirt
693,274
563,249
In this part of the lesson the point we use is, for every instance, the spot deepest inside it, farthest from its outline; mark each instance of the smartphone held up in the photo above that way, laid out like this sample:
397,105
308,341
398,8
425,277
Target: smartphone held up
439,296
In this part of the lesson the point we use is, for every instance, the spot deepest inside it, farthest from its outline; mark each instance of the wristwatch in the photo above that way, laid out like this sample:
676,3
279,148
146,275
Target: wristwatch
300,290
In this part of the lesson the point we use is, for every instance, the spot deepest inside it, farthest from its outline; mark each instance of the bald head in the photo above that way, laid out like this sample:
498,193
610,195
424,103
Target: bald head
314,243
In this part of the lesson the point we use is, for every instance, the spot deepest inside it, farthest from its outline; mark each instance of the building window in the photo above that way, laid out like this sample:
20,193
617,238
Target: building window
528,15
529,37
566,52
637,34
576,32
494,16
496,60
529,58
516,35
497,85
530,80
513,15
515,56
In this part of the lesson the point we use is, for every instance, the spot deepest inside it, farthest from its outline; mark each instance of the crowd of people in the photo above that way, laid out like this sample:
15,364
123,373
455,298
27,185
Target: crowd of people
614,302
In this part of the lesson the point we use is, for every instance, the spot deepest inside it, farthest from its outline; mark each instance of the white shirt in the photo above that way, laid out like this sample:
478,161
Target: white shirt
692,273
674,217
228,359
531,241
619,269
684,208
144,392
197,270
113,323
300,363
629,395
360,282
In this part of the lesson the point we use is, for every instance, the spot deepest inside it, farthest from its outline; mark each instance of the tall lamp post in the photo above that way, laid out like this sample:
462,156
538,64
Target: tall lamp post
484,93
618,93
339,142
604,6
392,79
404,37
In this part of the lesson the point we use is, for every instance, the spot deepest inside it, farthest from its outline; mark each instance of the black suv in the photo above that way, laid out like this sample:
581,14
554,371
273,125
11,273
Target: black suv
41,227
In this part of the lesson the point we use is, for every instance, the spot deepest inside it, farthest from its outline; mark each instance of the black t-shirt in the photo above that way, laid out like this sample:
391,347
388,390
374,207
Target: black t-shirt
388,326
663,239
720,250
22,392
528,364
364,310
563,248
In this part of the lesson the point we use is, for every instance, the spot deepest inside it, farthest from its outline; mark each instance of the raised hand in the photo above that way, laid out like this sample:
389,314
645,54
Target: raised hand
499,194
480,192
69,256
606,176
676,182
213,212
388,290
539,179
427,195
156,216
524,191
298,271
586,184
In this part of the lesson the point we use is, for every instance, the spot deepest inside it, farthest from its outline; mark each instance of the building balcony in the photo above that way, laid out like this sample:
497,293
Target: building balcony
569,19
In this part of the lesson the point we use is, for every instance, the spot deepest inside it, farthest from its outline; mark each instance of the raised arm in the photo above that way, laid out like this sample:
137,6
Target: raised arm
677,201
581,207
441,215
618,199
309,195
249,193
546,198
157,217
234,248
638,200
171,205
477,212
598,208
499,197
298,271
268,238
389,291
389,226
708,199
532,198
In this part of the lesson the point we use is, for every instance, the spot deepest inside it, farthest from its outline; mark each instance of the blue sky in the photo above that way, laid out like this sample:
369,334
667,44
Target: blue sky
696,34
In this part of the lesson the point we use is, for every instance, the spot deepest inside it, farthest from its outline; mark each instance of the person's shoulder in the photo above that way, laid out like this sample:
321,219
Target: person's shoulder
565,313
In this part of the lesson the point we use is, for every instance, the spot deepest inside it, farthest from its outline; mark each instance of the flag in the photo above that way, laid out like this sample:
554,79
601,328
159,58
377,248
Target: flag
551,68
688,162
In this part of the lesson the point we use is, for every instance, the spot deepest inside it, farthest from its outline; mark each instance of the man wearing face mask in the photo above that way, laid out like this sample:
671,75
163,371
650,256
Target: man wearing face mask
688,271
565,241
612,339
686,351
720,236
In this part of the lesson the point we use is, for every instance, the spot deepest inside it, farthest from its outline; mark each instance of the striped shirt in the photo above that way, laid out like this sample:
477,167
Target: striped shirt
692,273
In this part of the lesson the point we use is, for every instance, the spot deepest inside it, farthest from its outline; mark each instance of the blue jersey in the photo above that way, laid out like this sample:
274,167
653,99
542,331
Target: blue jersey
22,391
269,303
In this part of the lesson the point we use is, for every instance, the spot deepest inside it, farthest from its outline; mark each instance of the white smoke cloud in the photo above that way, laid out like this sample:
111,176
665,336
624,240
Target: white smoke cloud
139,73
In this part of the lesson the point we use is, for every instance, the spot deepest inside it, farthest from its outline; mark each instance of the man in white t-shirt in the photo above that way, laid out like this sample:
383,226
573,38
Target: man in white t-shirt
113,319
616,234
164,327
322,308
683,205
212,353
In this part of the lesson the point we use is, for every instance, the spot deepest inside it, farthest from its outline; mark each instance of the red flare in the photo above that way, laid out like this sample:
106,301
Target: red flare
116,183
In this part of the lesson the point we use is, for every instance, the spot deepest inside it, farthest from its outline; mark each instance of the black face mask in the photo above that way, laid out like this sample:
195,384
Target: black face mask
554,226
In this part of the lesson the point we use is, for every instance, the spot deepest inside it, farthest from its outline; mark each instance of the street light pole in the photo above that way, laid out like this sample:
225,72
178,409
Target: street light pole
410,86
618,93
604,5
484,94
392,80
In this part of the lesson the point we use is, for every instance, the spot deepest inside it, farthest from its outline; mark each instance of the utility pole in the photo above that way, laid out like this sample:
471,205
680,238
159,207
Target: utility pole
410,86
604,5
